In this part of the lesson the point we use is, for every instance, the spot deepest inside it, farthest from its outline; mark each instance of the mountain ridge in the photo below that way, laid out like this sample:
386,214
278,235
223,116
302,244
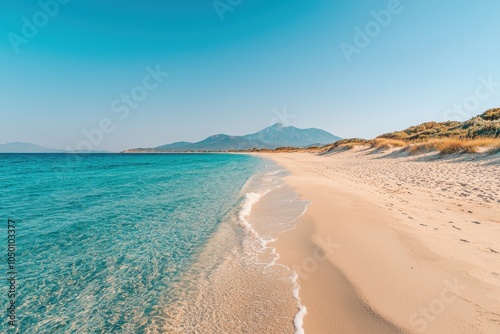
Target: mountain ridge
22,147
274,136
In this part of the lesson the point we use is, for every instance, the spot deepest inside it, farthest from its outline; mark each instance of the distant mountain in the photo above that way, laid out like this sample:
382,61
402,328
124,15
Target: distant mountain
178,144
219,142
271,137
18,147
279,135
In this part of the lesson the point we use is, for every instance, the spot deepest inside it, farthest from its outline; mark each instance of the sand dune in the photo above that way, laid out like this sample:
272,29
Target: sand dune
394,244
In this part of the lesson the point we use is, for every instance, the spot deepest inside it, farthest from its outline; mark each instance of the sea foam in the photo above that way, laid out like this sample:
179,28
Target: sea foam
251,198
298,321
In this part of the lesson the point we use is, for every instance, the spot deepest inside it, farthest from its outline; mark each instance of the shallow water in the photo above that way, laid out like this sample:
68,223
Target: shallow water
148,243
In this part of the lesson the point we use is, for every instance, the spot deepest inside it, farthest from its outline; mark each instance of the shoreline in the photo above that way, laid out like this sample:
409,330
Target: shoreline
236,284
272,211
371,257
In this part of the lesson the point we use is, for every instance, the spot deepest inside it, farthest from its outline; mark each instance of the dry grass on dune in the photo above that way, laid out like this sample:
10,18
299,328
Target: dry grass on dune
451,146
348,143
444,146
388,143
489,143
454,145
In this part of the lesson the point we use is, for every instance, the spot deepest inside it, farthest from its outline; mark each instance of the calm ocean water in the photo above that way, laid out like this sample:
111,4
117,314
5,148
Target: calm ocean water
102,238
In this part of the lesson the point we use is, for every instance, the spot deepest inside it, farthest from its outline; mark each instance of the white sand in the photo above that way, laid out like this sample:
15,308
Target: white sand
396,244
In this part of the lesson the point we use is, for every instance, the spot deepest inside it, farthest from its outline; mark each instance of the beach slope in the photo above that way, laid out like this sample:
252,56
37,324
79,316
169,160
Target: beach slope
395,244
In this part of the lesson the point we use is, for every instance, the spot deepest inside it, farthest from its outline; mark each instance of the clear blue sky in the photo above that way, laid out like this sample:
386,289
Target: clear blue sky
230,75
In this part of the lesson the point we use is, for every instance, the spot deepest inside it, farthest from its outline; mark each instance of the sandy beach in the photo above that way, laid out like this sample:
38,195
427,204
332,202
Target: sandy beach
395,244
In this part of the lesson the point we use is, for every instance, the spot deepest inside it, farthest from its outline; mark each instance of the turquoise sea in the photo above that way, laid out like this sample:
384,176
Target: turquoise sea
101,239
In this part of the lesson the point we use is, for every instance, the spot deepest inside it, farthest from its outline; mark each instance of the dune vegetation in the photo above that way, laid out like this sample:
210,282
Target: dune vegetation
486,125
477,135
454,145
